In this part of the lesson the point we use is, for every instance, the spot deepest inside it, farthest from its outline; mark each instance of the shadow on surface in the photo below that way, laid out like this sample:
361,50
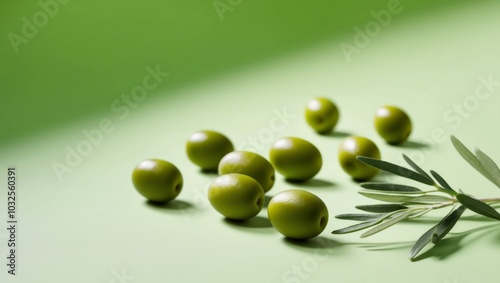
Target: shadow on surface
171,205
267,199
254,222
412,145
209,172
387,246
314,243
443,249
452,244
312,183
338,134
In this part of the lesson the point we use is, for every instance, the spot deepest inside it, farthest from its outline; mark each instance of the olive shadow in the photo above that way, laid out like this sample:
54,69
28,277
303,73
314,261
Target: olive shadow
254,222
171,205
209,172
357,181
412,145
318,242
337,134
267,199
312,183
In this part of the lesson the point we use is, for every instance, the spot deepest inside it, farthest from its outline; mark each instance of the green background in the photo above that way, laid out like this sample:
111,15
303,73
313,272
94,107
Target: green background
233,76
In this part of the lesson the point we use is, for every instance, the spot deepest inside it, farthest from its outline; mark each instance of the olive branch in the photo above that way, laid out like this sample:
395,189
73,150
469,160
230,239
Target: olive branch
408,202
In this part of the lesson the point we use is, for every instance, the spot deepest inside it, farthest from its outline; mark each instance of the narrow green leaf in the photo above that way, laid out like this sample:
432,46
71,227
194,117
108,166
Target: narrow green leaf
445,226
386,196
395,169
447,188
386,224
490,166
360,216
478,206
388,187
419,212
429,199
417,168
381,208
422,242
356,227
471,158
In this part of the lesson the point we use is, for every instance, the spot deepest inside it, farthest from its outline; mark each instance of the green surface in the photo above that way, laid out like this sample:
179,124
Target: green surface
88,224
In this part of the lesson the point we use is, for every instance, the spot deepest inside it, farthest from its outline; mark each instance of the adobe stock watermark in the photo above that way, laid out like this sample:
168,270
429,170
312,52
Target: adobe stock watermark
31,26
121,108
303,270
364,36
266,135
224,6
120,277
463,110
454,116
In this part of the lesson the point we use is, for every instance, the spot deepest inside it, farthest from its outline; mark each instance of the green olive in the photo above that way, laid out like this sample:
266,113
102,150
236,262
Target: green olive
322,115
352,147
392,124
236,196
296,159
250,164
206,148
298,214
157,180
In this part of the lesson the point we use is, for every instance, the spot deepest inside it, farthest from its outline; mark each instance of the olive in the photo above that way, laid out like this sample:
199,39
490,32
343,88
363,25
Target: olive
296,159
157,180
322,115
206,148
393,124
298,214
236,196
250,164
349,149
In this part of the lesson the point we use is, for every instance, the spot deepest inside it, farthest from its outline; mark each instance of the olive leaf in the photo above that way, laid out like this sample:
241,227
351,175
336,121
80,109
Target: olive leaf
478,206
381,208
395,169
364,225
489,166
402,215
429,199
437,232
417,168
380,186
445,226
386,196
360,216
422,242
357,227
472,160
445,187
408,202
